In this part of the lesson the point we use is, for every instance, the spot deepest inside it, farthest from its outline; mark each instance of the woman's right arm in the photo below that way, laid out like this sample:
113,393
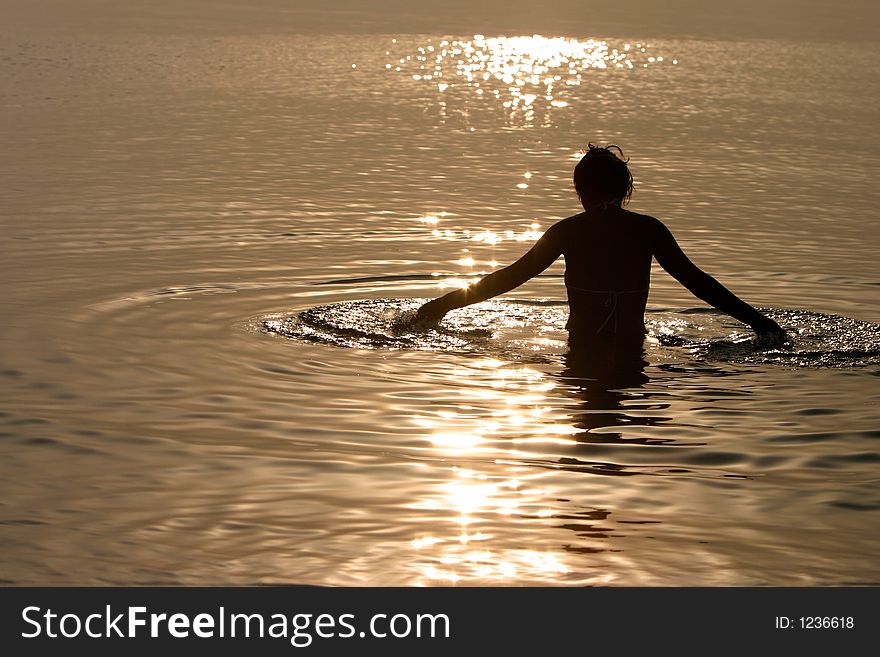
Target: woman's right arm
670,256
542,254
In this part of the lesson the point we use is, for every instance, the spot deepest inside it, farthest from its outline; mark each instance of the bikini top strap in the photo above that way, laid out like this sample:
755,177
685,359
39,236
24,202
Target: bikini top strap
609,292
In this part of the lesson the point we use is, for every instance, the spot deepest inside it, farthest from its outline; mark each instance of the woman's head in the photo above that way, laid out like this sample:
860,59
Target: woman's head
602,176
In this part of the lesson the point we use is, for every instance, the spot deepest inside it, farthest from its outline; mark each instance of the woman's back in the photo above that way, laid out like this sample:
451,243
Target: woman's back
608,255
608,252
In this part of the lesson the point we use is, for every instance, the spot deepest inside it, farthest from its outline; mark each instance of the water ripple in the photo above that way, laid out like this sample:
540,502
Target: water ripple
531,327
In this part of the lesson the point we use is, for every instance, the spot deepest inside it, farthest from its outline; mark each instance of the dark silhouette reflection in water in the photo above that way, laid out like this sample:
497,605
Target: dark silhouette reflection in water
587,524
608,379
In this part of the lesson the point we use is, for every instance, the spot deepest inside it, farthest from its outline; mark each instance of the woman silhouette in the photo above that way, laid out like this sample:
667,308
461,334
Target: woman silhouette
608,252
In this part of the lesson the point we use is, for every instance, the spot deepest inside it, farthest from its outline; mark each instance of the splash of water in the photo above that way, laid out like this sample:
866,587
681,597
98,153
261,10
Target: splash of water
518,328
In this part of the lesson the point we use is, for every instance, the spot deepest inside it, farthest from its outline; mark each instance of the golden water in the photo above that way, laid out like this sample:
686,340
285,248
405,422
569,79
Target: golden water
169,202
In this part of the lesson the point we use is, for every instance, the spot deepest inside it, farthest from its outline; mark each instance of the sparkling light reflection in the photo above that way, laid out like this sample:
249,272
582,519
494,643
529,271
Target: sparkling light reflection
530,232
466,553
522,72
504,409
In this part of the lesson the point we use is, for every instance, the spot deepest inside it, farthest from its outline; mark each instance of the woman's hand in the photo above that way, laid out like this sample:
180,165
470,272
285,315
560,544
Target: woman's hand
769,331
542,254
424,318
431,312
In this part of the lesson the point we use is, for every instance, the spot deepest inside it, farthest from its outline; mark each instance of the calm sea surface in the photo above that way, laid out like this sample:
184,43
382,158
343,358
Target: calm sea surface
170,205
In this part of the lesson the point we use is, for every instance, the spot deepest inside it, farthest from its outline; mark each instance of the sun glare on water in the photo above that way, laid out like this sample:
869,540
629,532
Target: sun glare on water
521,72
495,422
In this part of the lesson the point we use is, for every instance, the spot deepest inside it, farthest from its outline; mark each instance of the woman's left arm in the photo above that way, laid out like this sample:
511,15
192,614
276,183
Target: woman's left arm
543,254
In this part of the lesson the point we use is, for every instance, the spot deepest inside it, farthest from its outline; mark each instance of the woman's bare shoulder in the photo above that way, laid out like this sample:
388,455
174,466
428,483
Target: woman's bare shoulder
582,220
640,216
646,221
564,226
571,220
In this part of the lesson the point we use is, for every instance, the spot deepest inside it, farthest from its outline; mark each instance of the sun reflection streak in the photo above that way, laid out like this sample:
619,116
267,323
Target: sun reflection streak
531,232
472,497
522,73
507,406
504,413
